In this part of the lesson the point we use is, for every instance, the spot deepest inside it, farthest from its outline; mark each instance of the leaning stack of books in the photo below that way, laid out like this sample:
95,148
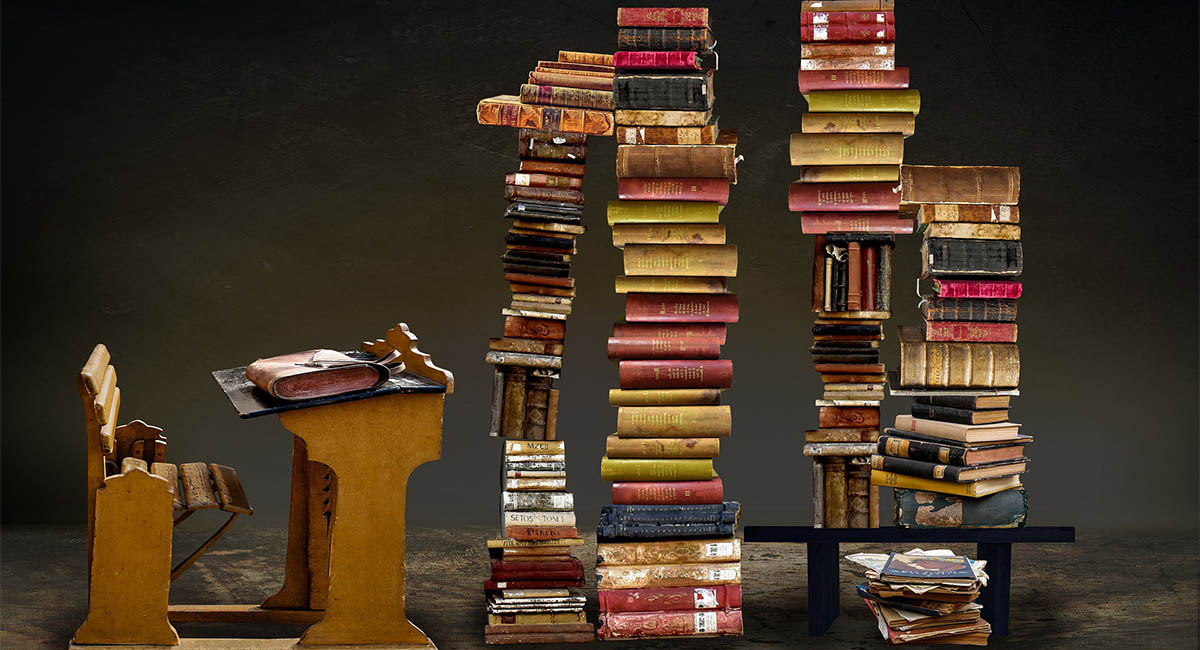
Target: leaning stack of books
669,558
528,595
958,447
564,102
925,597
849,152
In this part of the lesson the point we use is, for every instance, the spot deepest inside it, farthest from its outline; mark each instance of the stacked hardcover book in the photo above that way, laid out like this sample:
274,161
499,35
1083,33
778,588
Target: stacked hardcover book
925,597
563,102
957,459
849,153
528,595
668,553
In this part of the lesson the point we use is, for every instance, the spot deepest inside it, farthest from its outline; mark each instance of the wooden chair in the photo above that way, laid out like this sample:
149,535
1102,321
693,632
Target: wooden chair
131,460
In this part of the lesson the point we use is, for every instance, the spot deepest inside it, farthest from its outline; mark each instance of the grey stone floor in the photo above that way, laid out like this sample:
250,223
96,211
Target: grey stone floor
1105,591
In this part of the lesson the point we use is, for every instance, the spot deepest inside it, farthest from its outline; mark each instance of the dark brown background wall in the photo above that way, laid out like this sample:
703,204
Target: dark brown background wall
200,184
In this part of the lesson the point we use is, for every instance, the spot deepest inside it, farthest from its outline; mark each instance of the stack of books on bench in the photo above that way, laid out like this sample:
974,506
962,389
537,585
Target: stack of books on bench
669,560
925,597
958,447
849,152
529,597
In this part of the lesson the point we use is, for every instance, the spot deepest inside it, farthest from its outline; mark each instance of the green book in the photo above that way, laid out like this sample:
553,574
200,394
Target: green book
866,101
656,469
663,212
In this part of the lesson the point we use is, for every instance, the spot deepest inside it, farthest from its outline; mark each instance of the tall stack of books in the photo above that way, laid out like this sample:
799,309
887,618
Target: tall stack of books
849,151
668,554
563,102
958,447
925,597
529,598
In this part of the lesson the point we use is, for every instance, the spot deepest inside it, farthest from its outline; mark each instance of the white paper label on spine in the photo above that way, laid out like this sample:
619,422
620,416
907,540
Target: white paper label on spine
704,622
705,597
718,548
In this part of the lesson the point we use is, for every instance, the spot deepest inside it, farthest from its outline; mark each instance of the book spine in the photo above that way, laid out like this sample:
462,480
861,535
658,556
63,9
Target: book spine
513,113
694,233
969,213
655,117
534,328
564,79
657,61
681,259
575,97
929,452
663,212
819,273
835,514
674,421
662,515
633,625
587,58
820,6
847,417
980,185
676,397
496,585
667,492
872,100
869,274
540,575
843,197
678,92
668,134
854,272
1005,231
923,509
943,413
536,566
577,68
669,284
858,495
834,51
514,449
657,38
663,348
848,63
517,192
849,174
516,501
662,447
810,80
513,409
832,123
849,32
677,161
992,310
616,531
543,180
670,330
537,532
847,149
883,284
655,469
535,149
959,365
971,257
910,467
669,599
972,332
668,575
662,17
553,167
847,18
537,397
674,189
547,618
1010,289
681,307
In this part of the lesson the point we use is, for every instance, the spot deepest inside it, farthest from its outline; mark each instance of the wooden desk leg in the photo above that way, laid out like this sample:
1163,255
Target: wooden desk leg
994,596
824,589
372,445
294,592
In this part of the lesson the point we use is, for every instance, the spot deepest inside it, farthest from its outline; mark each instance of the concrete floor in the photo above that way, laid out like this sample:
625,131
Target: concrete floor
1105,591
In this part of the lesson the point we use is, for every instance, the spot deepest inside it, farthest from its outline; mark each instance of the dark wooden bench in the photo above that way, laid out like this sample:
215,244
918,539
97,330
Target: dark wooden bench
992,544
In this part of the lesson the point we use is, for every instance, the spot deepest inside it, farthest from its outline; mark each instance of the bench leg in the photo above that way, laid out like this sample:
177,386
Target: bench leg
824,591
994,597
191,559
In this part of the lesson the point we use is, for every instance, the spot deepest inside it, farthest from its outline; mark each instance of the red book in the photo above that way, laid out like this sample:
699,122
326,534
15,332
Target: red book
649,60
821,223
674,189
676,373
495,585
667,493
681,308
663,348
543,180
568,569
632,625
525,278
520,327
540,532
853,79
671,330
662,17
847,17
670,599
848,33
869,272
977,288
970,331
844,197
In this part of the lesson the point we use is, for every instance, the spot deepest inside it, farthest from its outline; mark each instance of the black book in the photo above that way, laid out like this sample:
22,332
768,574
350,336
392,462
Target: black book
543,217
542,242
944,257
958,415
547,207
994,310
967,401
847,330
844,346
864,238
519,257
543,271
844,358
663,38
654,91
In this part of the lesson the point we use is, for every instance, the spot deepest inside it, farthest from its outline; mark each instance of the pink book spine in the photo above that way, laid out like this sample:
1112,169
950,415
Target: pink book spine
970,331
681,308
978,288
853,33
844,197
634,60
847,18
659,599
632,625
853,79
674,189
821,223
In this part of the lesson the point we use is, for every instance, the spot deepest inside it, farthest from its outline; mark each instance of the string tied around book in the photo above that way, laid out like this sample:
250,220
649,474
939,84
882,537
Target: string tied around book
391,361
924,299
837,253
716,56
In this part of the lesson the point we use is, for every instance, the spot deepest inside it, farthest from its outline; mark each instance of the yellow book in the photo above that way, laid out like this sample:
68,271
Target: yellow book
976,489
663,212
663,396
864,101
656,469
903,123
697,233
846,148
537,447
849,173
653,117
681,259
537,619
669,284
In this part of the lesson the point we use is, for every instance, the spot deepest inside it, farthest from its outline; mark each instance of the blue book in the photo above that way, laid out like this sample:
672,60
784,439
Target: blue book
663,531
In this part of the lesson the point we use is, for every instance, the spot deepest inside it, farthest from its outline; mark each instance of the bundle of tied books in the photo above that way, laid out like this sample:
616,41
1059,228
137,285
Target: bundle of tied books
925,597
529,597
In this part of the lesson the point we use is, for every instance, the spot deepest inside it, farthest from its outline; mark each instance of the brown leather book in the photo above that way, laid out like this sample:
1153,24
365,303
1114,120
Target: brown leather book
854,277
858,494
848,416
868,278
534,328
835,492
979,185
681,161
553,167
319,373
564,79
